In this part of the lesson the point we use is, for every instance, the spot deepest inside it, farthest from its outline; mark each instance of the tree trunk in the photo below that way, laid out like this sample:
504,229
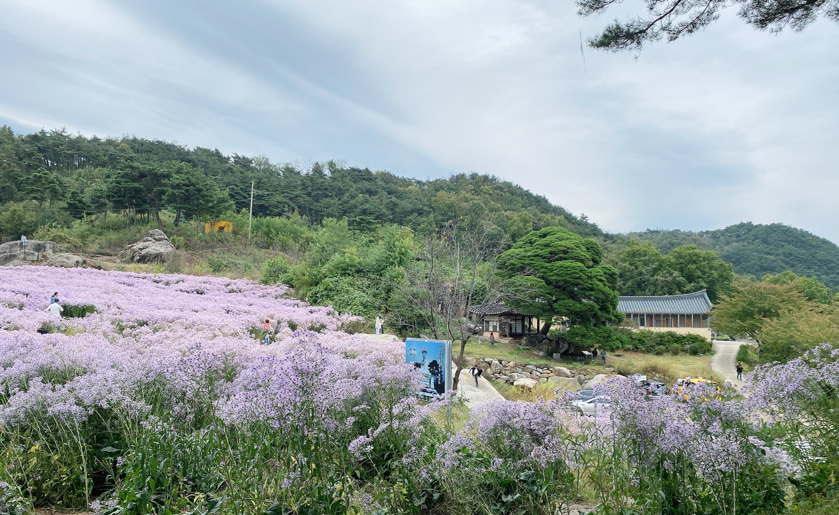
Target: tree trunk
545,328
459,363
134,212
157,215
127,219
198,222
177,216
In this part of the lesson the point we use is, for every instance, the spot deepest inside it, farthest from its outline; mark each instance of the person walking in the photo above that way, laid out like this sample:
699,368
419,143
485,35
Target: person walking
739,371
379,324
492,339
55,308
54,298
476,373
603,356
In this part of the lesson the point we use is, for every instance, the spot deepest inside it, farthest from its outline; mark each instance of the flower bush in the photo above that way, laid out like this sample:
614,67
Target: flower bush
160,400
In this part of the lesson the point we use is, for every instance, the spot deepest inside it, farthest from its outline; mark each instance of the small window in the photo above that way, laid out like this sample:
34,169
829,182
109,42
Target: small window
642,320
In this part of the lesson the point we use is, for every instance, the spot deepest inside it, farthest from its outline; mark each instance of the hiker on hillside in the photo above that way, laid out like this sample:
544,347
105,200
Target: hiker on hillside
492,339
54,298
23,241
379,323
603,356
739,371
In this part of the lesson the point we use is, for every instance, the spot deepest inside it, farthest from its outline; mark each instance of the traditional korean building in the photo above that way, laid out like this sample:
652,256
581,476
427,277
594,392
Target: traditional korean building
504,321
686,314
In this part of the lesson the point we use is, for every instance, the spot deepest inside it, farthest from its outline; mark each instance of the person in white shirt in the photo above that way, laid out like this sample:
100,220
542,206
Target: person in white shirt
55,308
379,324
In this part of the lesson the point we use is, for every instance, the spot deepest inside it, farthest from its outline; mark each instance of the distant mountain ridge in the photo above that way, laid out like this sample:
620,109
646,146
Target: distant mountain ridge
757,249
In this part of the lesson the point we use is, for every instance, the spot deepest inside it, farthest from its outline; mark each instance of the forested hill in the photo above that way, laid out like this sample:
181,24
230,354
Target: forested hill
79,175
757,250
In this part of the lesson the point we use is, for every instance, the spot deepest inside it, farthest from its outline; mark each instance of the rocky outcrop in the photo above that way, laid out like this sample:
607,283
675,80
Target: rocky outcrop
566,383
66,260
14,251
561,372
596,380
153,248
525,383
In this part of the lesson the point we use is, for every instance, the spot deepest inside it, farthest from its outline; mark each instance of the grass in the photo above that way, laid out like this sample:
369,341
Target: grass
511,352
672,367
543,391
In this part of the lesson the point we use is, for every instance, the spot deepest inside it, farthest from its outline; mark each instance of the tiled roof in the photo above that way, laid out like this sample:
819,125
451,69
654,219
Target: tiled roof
494,308
687,304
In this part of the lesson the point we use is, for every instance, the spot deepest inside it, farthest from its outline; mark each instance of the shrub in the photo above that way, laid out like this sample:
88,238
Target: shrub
77,310
746,354
219,263
659,343
275,270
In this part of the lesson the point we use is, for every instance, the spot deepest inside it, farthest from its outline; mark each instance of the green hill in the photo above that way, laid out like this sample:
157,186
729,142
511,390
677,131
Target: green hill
72,175
756,249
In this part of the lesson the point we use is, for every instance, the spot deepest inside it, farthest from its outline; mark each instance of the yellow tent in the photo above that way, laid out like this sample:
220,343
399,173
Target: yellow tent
218,227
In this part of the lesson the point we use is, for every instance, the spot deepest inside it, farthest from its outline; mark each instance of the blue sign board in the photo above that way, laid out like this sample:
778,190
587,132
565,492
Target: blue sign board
434,359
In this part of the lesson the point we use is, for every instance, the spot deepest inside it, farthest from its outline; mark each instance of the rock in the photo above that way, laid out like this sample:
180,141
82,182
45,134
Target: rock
525,383
543,379
496,367
66,260
531,367
153,248
581,378
566,383
561,371
598,379
512,378
35,251
557,355
620,376
535,376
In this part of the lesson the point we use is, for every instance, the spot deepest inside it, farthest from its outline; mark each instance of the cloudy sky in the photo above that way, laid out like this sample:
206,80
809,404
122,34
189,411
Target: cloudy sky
728,125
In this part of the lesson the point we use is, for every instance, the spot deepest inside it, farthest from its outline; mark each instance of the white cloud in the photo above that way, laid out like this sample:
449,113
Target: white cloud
728,125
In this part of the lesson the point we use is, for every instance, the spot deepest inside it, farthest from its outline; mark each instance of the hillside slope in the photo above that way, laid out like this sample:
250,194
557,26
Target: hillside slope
756,249
80,166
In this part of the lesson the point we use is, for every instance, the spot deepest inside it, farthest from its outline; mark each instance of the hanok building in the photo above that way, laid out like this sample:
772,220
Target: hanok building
503,321
685,314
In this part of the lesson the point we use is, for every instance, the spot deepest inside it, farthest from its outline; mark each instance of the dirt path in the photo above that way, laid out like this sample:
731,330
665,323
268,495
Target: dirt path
724,359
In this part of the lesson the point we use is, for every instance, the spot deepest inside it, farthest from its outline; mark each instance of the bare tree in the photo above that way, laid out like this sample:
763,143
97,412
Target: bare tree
456,268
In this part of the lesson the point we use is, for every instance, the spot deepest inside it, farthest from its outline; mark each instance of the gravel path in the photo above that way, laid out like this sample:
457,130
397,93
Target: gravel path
724,359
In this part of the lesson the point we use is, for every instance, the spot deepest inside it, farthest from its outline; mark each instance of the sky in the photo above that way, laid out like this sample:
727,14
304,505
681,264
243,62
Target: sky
728,125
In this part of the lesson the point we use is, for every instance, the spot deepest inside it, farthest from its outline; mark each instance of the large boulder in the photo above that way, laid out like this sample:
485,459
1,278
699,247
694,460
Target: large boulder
561,372
525,383
496,367
34,251
153,248
598,379
566,383
66,260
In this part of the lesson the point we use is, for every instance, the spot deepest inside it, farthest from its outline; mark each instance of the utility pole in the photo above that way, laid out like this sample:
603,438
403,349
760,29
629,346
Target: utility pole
250,217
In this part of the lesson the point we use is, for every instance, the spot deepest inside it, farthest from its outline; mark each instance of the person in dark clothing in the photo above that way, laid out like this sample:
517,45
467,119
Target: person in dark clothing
739,371
476,373
492,339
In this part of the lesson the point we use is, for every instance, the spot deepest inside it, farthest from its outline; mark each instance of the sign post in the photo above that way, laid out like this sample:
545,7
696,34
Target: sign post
434,359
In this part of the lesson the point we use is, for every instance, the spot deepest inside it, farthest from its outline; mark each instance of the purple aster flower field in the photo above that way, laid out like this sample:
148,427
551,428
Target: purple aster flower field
163,398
